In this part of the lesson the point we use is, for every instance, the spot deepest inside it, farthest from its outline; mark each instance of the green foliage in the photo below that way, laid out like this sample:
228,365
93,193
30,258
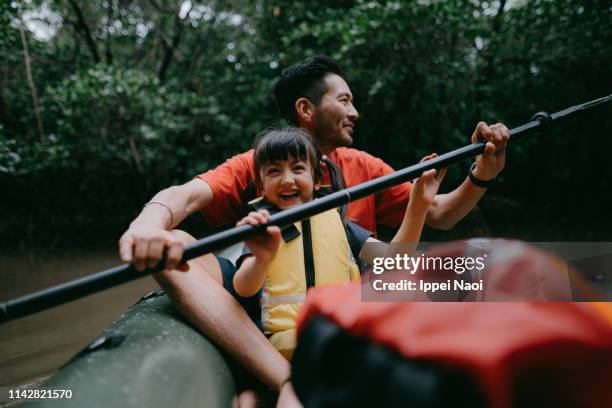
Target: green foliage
126,118
424,73
180,86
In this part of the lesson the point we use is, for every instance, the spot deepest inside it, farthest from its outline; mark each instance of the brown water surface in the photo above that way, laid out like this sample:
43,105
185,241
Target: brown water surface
32,347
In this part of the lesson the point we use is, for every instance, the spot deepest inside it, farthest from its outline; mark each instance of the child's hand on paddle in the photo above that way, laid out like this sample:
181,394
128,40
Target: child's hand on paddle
425,188
264,246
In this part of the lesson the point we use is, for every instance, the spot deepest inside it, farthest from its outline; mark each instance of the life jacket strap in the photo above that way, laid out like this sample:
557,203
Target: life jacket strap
283,299
309,267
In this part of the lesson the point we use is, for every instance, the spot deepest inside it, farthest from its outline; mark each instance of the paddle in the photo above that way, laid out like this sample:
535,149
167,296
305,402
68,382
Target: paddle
75,289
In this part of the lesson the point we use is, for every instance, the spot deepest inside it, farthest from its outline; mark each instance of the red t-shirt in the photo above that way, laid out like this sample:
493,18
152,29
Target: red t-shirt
232,184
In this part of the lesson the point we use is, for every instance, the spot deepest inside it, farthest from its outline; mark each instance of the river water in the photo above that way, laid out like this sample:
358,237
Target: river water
33,347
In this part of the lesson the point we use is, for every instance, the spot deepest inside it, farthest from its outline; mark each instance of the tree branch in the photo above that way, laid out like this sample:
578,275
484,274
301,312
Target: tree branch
3,105
77,52
26,57
169,48
135,155
156,6
82,25
497,19
489,71
109,18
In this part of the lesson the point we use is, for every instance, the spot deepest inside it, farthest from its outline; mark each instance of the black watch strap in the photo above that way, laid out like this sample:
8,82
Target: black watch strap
478,182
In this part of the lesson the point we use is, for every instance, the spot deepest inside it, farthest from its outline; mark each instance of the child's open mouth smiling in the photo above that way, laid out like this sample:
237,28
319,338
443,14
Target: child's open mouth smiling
289,196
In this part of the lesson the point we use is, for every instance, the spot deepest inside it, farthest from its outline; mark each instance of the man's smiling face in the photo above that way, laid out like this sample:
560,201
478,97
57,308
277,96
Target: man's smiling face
335,116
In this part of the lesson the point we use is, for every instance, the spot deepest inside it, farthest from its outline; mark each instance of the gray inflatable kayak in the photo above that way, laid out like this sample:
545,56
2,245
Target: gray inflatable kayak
149,357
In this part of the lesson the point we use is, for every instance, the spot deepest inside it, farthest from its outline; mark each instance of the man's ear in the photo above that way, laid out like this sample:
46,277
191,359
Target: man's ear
305,111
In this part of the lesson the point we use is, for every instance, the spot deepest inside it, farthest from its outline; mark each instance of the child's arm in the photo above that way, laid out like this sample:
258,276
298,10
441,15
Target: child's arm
424,190
250,276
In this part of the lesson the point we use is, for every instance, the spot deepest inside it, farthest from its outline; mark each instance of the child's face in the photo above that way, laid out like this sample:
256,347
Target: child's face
288,183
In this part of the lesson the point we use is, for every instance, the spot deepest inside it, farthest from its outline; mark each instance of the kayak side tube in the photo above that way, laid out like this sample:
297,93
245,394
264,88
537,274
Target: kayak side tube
149,357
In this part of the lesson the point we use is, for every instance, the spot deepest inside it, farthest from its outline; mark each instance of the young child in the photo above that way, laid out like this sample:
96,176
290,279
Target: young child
282,265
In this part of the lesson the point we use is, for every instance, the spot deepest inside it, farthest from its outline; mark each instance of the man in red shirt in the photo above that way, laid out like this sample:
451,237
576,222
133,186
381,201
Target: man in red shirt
312,95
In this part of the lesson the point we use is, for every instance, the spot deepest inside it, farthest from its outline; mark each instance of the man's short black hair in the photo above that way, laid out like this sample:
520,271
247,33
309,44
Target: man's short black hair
306,79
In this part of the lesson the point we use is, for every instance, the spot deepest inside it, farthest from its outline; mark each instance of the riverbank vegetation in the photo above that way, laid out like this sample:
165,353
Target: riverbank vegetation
103,103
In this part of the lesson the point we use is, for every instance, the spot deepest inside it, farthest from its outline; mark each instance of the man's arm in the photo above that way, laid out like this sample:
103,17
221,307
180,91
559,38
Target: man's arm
448,209
148,235
219,189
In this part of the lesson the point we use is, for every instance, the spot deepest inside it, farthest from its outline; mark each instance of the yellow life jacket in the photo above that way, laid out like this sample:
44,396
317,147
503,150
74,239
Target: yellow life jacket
319,255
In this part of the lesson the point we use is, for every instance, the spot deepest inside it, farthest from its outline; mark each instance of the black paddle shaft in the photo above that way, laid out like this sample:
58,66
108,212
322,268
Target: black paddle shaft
78,288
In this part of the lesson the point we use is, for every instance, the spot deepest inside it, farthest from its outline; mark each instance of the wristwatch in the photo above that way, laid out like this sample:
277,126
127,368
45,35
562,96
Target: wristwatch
478,182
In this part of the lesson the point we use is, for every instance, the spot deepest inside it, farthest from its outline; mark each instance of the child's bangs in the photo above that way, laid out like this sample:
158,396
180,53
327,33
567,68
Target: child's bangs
283,146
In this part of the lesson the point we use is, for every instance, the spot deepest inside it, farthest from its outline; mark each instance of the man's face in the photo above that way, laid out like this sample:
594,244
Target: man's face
335,116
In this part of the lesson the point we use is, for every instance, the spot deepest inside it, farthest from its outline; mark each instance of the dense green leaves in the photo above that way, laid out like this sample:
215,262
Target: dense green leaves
137,95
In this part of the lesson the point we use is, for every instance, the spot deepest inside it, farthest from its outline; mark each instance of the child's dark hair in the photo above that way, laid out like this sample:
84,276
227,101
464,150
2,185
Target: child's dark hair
291,142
